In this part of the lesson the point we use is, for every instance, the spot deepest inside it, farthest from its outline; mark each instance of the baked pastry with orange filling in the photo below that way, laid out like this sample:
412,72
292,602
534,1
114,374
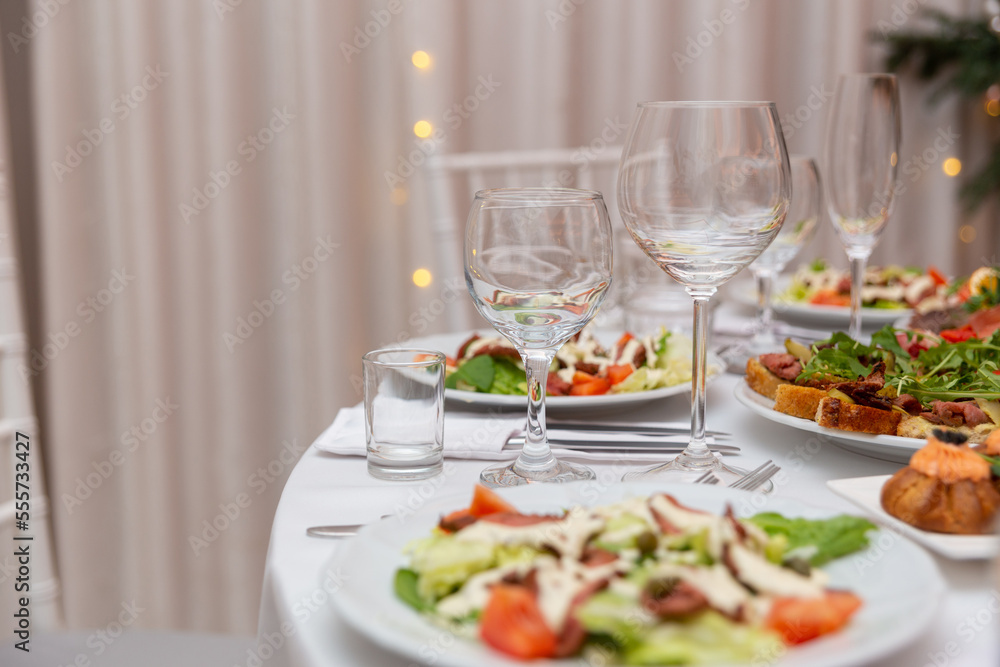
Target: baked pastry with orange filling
946,488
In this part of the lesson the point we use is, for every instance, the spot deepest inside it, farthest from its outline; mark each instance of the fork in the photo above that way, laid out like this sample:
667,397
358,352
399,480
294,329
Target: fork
708,479
757,477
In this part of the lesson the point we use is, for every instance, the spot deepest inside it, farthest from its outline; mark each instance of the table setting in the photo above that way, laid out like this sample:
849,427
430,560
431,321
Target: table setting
741,492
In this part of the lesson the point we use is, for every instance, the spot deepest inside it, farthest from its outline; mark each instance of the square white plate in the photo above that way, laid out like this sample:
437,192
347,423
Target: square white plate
866,492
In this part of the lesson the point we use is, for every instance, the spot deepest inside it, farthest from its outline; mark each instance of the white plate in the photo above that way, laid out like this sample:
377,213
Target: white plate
449,343
823,317
886,447
866,493
900,587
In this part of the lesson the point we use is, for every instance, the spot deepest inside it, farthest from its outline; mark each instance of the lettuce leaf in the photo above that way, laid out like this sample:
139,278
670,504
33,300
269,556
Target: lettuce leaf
825,539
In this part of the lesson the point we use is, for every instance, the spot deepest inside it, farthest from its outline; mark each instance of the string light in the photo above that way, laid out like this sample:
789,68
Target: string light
422,278
423,129
421,59
952,166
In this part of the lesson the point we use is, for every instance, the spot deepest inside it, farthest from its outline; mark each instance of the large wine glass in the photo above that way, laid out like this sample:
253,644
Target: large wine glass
798,229
862,153
703,188
538,265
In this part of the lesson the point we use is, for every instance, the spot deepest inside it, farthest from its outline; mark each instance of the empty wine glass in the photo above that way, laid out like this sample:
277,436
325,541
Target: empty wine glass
703,188
538,265
798,229
862,153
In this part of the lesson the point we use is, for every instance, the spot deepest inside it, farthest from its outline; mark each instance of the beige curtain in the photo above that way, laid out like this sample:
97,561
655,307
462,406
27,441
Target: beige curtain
229,212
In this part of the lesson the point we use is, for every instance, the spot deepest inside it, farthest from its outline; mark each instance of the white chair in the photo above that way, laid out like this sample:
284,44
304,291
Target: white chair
453,179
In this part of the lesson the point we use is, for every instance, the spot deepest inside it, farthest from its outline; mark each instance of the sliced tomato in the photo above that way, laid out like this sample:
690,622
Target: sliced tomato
958,335
425,357
623,341
513,624
936,276
619,372
486,502
579,377
829,297
595,387
964,292
996,372
799,620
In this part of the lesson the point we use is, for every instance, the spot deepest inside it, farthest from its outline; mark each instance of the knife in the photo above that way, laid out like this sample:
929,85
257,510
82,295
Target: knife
626,446
629,427
569,435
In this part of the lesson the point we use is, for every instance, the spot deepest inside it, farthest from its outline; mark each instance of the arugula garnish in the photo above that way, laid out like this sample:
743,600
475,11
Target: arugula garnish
945,371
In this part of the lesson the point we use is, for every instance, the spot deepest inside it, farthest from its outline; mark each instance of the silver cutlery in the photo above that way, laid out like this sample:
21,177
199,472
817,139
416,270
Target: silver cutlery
757,477
346,530
333,531
652,446
631,428
708,479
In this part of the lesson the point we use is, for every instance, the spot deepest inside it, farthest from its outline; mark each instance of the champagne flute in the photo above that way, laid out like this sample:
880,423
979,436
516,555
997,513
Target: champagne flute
538,265
862,153
703,188
800,226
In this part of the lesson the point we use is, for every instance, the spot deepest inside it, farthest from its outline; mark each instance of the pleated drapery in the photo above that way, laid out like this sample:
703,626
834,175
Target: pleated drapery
229,206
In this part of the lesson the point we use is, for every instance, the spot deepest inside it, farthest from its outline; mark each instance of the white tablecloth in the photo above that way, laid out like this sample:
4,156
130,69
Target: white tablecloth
298,627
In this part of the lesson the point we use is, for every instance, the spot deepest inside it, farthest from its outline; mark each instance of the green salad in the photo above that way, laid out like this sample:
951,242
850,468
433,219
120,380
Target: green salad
644,581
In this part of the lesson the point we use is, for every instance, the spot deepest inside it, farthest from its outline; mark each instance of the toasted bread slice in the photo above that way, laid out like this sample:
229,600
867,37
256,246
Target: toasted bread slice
918,427
761,380
798,401
834,413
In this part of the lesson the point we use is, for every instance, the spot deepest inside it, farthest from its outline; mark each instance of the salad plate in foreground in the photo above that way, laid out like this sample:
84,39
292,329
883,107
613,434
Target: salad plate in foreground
865,492
380,571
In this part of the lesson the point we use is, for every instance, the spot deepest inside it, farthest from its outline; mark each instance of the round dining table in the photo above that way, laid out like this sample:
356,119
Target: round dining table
300,626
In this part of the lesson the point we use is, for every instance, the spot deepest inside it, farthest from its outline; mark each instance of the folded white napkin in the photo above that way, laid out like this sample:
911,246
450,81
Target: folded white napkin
467,435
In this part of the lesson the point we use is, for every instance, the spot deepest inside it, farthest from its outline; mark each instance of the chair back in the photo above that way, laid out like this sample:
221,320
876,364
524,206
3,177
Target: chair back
453,180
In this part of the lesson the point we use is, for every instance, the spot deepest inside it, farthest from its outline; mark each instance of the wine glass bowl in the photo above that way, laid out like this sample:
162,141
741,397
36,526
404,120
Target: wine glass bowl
538,264
799,227
862,156
703,189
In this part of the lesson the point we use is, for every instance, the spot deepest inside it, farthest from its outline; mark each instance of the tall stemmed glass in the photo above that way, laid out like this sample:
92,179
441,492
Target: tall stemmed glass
703,188
862,153
798,229
538,265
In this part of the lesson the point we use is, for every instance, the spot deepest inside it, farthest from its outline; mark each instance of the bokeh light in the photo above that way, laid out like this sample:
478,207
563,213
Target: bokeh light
423,129
422,278
952,166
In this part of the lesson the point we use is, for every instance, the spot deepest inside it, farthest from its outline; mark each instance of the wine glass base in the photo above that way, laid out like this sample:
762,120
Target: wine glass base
510,474
678,473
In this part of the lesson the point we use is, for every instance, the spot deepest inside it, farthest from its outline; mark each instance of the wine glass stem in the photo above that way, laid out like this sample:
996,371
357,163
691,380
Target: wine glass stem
697,452
858,262
536,454
765,312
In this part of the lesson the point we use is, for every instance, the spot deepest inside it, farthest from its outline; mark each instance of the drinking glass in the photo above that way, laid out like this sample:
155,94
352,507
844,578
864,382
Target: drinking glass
862,153
798,229
703,188
538,265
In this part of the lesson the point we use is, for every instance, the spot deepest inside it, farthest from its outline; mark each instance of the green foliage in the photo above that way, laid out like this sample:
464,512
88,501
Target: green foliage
964,56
